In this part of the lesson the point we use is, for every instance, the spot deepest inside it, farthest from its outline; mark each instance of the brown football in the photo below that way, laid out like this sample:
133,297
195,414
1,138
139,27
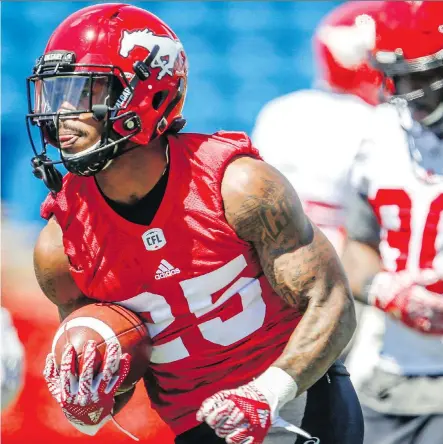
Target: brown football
102,322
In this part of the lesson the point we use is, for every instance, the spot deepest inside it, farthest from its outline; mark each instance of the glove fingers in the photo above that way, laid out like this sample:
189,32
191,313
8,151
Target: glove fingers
240,416
87,372
68,373
241,436
111,362
52,377
82,404
211,403
220,418
227,417
117,380
236,418
51,371
123,369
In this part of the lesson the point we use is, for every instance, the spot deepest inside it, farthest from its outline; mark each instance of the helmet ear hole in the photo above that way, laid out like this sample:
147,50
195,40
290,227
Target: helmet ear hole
159,98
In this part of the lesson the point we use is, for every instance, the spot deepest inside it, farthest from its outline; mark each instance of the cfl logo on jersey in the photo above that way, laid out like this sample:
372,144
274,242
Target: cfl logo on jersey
154,239
165,269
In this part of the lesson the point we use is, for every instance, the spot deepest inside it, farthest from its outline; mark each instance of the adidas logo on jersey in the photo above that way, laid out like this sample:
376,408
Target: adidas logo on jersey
165,269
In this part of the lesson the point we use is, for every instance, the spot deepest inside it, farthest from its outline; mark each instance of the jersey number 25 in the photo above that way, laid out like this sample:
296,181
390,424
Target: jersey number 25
198,293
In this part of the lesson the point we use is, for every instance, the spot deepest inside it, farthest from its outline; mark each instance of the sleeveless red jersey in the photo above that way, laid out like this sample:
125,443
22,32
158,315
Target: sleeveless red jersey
214,319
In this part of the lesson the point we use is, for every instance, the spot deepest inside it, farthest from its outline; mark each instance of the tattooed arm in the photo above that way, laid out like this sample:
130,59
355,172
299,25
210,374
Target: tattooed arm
298,261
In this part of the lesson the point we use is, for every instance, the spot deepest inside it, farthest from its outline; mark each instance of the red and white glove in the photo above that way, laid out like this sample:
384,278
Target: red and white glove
86,401
244,415
404,296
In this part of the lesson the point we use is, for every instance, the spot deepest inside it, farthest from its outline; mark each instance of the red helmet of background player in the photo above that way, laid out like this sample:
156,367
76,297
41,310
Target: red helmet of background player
409,50
342,44
136,64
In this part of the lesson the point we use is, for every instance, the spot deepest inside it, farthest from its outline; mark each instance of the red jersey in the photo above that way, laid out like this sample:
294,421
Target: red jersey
214,319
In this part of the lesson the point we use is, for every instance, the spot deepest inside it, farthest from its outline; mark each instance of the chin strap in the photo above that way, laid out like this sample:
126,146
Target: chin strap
51,177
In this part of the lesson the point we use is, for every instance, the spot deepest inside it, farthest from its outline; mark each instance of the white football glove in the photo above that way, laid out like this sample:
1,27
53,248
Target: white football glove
404,296
244,415
87,401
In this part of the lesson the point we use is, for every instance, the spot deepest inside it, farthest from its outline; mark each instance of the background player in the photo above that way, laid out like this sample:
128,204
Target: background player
218,236
313,136
393,255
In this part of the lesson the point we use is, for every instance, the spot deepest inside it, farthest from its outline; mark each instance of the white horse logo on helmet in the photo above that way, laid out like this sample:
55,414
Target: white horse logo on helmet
167,55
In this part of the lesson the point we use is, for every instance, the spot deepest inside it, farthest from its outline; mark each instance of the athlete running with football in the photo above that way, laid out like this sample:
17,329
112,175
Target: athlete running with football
249,328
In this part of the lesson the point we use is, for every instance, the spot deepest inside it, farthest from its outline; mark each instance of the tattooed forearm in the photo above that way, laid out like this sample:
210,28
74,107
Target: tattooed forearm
329,318
299,263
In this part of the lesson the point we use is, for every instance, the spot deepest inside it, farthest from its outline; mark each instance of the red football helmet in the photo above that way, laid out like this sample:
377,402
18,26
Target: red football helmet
409,50
342,44
118,62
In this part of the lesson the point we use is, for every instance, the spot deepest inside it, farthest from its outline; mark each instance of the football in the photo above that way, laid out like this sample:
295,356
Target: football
103,322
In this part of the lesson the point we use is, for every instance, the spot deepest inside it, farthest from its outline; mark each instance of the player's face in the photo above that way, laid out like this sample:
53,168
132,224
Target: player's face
79,133
67,96
429,82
